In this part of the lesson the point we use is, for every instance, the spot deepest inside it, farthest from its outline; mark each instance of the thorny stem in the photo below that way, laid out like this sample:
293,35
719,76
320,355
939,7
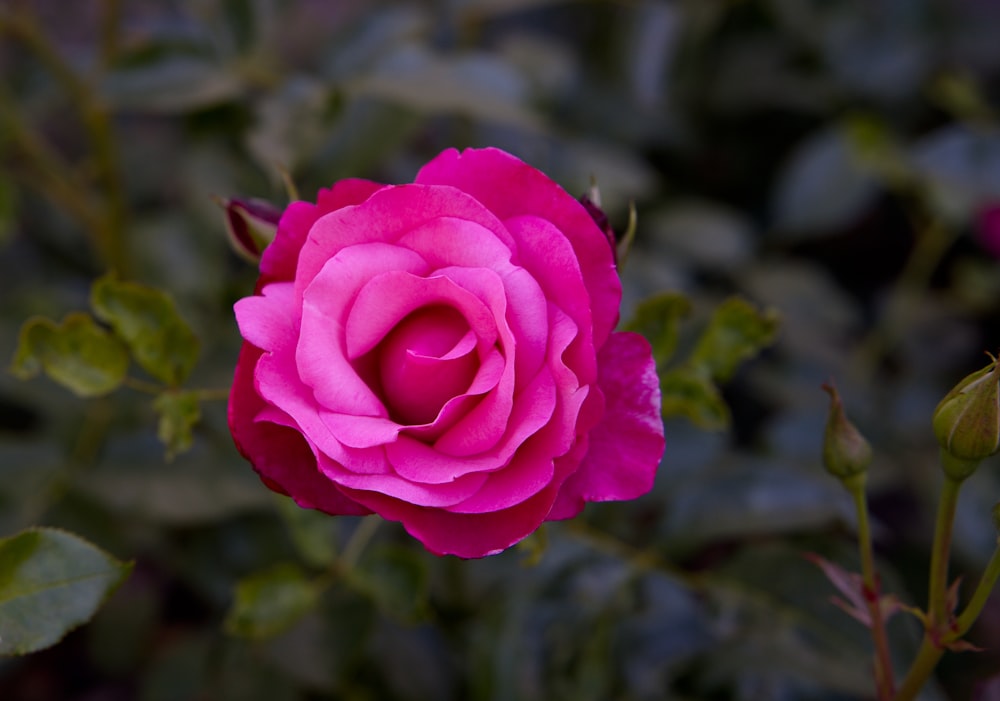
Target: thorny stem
884,680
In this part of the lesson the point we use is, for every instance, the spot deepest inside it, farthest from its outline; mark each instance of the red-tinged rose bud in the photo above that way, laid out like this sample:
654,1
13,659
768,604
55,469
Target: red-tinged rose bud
251,225
967,421
600,218
846,453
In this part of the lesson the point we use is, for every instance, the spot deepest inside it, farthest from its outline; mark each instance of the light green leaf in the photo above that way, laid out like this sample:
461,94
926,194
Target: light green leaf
147,320
77,354
690,393
737,332
268,603
51,581
179,412
657,318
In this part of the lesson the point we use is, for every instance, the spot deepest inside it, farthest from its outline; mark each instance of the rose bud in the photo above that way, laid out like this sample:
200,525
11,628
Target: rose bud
443,353
251,225
846,453
967,421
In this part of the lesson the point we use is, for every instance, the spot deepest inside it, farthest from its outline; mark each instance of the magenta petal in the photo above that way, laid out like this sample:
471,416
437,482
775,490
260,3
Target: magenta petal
387,215
282,255
627,445
508,187
265,319
464,535
279,453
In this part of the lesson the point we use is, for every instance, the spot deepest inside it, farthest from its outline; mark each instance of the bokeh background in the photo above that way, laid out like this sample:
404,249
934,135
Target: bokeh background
837,161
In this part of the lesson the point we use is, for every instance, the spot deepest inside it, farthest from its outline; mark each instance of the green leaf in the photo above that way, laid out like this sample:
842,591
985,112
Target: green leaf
737,332
147,320
396,579
657,318
77,354
268,603
689,393
51,581
312,532
179,412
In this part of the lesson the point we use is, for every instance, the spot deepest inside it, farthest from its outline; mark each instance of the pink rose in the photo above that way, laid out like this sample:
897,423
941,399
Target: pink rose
443,354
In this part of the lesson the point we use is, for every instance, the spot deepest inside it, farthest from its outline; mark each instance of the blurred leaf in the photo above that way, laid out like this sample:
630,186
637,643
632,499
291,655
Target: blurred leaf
269,602
396,579
736,332
690,393
147,320
77,354
962,166
704,232
173,84
51,581
822,188
475,84
191,492
657,318
178,670
179,412
311,531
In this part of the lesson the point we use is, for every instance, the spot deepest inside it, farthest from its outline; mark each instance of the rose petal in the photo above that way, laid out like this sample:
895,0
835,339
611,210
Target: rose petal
430,495
627,445
386,216
267,320
281,257
278,452
508,187
464,535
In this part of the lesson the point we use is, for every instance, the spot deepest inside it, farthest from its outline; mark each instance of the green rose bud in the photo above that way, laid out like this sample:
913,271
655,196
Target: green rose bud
846,453
967,421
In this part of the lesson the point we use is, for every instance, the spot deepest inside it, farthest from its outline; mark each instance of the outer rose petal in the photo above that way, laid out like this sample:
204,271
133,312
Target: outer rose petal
627,445
279,454
281,257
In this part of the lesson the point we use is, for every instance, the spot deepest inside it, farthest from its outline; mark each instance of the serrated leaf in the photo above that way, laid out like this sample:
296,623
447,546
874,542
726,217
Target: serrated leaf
396,579
269,602
179,412
77,354
689,393
51,581
147,320
657,318
736,332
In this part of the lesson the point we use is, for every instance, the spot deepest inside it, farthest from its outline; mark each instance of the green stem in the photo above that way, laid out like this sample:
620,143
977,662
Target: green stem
937,601
108,229
884,680
931,649
358,541
980,596
933,240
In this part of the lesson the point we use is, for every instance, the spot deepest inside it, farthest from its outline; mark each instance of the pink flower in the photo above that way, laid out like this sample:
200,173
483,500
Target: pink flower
443,354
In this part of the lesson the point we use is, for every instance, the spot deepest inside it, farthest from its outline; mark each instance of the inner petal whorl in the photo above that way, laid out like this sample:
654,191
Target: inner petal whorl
428,358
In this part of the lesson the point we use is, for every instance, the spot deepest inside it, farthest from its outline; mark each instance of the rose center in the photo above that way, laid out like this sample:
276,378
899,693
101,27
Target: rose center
428,358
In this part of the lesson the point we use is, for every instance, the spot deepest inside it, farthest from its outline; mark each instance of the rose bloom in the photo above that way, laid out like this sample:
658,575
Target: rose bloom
443,354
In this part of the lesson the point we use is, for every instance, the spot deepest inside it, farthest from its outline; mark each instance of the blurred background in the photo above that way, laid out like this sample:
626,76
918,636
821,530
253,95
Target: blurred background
835,160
